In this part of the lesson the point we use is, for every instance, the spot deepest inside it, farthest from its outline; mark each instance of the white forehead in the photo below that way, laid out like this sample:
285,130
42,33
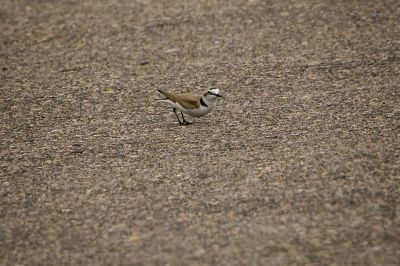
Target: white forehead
215,91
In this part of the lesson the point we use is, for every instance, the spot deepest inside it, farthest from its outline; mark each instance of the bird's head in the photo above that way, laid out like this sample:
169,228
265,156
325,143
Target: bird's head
212,94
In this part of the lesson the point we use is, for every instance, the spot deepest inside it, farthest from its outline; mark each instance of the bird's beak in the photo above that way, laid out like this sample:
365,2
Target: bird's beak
219,95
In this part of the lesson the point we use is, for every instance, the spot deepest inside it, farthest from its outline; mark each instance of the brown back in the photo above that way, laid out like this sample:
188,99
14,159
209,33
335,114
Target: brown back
186,100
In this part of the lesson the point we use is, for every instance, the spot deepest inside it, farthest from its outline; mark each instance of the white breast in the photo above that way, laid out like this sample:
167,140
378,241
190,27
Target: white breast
197,112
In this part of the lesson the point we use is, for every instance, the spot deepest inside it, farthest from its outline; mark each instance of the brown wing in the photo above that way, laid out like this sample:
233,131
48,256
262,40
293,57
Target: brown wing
186,100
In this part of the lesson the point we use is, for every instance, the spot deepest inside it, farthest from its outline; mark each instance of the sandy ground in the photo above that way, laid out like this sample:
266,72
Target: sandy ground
298,164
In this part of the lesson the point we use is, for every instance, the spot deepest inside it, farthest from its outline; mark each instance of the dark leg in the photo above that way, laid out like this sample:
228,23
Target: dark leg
184,121
180,123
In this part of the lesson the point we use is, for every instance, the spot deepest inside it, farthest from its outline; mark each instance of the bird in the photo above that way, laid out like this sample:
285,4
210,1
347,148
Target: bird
194,105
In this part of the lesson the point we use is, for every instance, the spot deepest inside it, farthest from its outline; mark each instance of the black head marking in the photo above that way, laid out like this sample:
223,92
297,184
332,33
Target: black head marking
212,93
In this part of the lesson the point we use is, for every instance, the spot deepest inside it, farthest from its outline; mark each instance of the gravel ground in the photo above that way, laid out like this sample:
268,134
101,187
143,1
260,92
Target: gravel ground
298,164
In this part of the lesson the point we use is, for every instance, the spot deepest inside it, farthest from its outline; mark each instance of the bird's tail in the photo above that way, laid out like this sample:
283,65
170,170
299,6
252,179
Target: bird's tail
163,95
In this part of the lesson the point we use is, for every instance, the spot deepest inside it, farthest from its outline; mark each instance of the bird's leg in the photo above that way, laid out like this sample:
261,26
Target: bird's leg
184,121
180,123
